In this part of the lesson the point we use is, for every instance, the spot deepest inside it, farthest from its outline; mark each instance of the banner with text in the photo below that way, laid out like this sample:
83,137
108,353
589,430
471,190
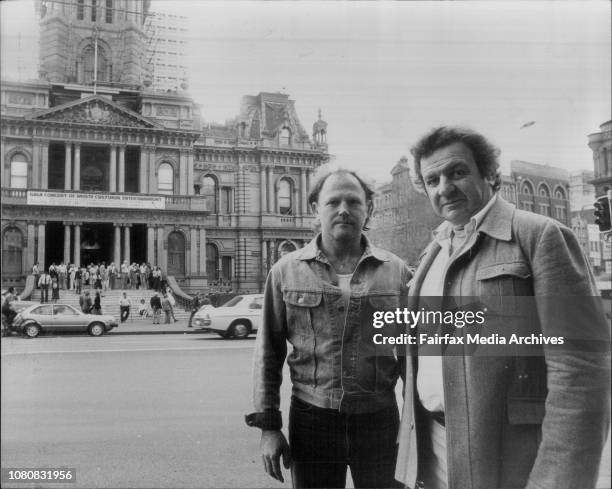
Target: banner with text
82,199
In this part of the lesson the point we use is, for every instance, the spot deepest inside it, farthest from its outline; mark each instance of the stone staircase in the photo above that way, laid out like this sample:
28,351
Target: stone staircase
110,301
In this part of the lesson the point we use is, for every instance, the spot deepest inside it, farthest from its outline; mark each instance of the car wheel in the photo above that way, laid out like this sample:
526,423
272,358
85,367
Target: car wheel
32,330
239,330
96,329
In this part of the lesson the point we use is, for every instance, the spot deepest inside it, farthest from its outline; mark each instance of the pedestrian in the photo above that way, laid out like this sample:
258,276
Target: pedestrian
156,307
195,307
172,302
8,312
55,288
125,270
36,273
78,280
320,299
97,304
124,307
71,275
85,302
532,417
44,282
62,275
166,308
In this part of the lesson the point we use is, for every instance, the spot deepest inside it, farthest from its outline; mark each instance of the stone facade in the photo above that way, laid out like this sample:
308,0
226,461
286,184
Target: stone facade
113,171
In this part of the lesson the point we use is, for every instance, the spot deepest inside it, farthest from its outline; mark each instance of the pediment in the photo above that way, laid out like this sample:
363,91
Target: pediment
95,110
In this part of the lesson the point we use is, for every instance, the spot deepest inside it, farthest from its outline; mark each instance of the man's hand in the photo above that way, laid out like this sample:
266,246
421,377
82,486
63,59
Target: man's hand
273,445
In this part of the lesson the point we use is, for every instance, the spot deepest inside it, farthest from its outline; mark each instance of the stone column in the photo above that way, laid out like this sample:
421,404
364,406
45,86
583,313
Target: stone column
182,173
308,175
112,174
271,206
68,168
161,252
143,184
30,248
262,186
77,244
151,245
127,243
264,256
67,243
202,251
190,190
76,185
152,172
303,191
41,246
121,175
117,246
193,269
35,165
44,167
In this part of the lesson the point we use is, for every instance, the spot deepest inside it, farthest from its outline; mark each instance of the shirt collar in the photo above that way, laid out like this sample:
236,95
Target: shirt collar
313,250
444,231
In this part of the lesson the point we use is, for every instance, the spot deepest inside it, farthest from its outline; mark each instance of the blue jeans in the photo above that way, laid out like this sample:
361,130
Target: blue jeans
325,441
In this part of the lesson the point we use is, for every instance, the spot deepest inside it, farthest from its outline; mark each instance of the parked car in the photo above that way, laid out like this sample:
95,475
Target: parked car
16,306
38,318
237,318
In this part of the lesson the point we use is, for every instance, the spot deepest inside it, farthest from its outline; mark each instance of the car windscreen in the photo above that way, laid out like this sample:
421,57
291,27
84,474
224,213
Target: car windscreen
233,302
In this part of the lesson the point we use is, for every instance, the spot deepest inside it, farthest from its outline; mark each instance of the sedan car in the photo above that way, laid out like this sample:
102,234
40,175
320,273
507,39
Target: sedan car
61,317
237,318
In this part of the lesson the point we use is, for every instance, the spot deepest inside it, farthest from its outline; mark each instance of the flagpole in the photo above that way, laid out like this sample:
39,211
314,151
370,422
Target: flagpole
95,79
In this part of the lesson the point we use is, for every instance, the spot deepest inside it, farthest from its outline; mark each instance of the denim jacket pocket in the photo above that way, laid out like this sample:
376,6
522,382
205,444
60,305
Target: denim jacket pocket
377,369
299,306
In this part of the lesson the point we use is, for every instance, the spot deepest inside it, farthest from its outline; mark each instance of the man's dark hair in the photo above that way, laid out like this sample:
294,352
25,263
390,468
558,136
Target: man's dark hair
326,171
485,154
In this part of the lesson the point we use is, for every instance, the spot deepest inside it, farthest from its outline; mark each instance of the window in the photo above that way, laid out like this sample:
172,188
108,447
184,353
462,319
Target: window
226,200
226,267
545,209
88,64
209,190
94,10
528,206
19,171
543,191
284,197
12,244
80,9
165,179
212,257
284,137
527,188
46,310
176,254
109,11
560,194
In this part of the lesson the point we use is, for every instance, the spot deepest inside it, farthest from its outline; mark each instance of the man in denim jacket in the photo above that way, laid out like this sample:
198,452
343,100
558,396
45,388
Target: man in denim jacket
321,299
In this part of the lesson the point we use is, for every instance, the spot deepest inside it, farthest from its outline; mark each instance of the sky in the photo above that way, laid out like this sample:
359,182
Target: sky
384,73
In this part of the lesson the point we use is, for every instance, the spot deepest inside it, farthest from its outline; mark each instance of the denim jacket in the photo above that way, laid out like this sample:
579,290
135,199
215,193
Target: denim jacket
334,363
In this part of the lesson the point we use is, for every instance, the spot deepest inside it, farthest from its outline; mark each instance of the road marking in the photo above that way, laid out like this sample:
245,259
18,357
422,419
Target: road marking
117,350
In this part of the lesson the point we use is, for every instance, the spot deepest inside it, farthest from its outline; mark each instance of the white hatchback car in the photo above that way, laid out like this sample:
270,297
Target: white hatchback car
237,318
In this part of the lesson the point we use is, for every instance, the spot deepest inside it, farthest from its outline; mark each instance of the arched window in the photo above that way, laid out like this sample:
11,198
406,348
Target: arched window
212,259
88,65
210,190
176,254
19,171
284,197
12,244
543,190
559,193
527,188
284,138
165,179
